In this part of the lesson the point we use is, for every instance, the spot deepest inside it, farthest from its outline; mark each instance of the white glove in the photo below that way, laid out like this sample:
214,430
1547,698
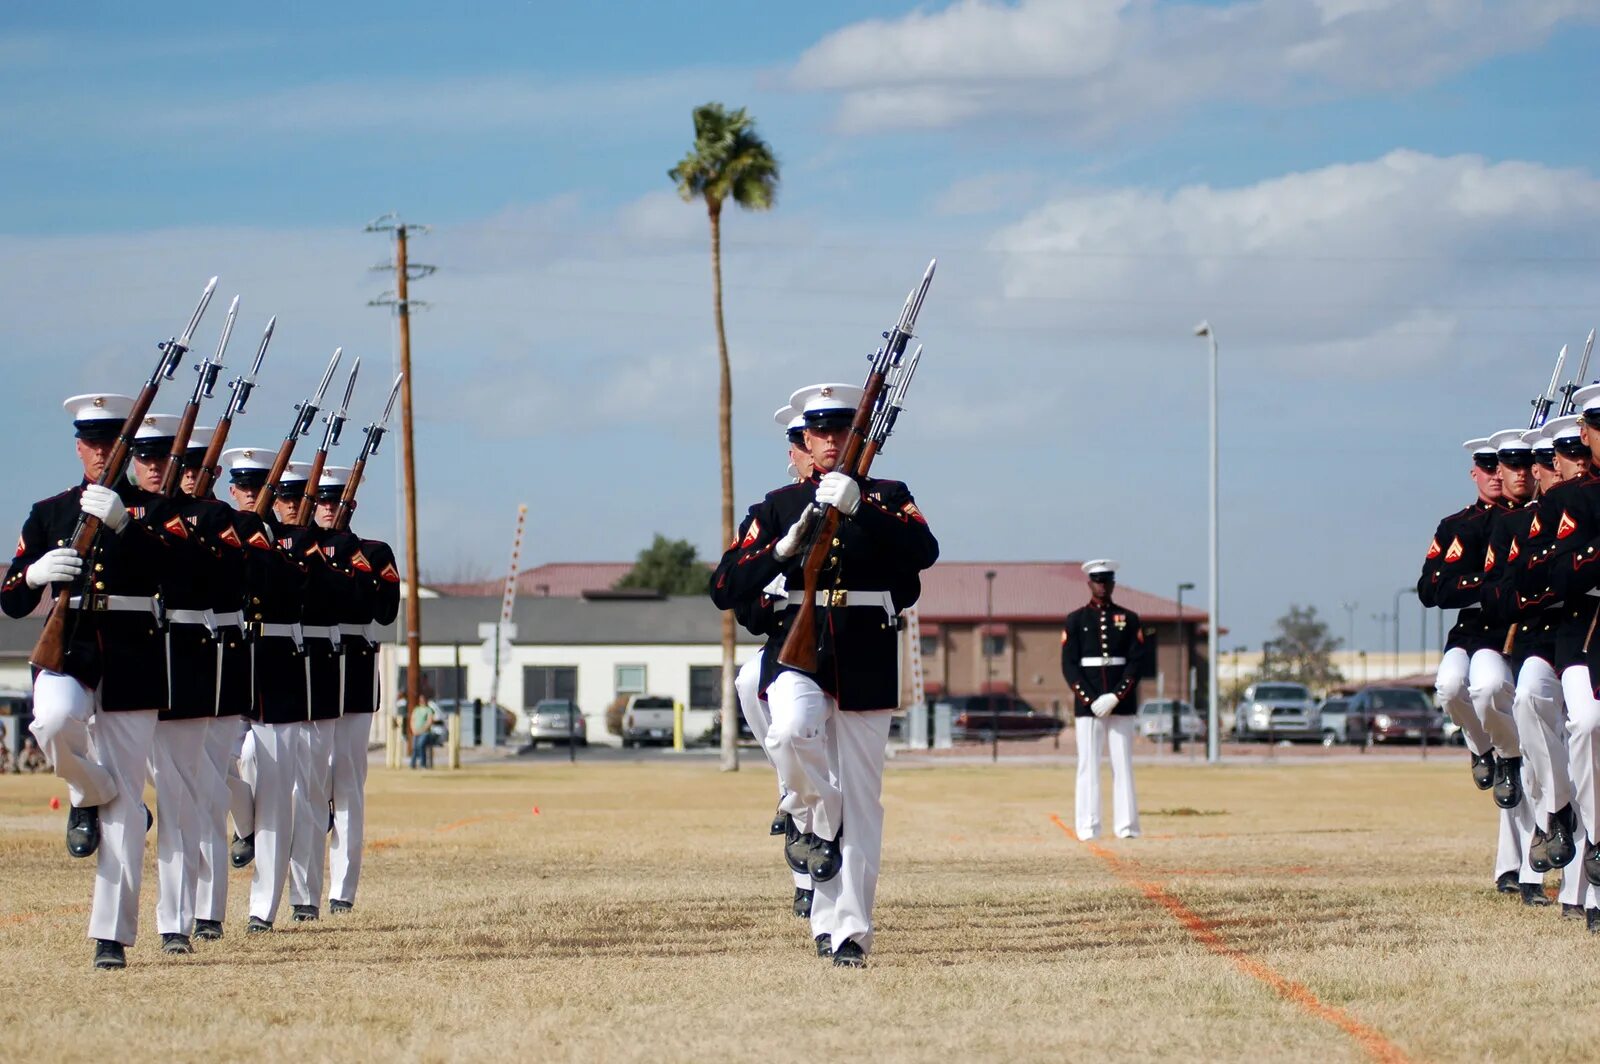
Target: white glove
792,540
55,567
102,502
840,492
1103,705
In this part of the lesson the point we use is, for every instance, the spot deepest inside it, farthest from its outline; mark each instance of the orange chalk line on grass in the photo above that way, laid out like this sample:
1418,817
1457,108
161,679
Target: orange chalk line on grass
1205,932
13,919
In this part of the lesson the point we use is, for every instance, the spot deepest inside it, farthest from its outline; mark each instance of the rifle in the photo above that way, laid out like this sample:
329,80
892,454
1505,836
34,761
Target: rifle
369,447
330,438
172,475
305,415
867,428
1573,385
50,652
241,387
1541,405
889,408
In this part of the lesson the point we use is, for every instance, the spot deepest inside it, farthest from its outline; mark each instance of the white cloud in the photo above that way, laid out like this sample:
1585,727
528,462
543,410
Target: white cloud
1092,65
1391,257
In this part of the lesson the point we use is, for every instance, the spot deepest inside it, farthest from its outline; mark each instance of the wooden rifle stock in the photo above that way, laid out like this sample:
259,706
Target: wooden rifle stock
50,652
302,513
279,464
173,473
213,458
347,500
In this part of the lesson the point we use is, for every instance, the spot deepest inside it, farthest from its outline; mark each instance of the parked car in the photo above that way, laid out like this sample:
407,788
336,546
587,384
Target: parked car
1155,720
449,707
712,736
647,719
1276,710
556,720
977,717
1334,716
1395,714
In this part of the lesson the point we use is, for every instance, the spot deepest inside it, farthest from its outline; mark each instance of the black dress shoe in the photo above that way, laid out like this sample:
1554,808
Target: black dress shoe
242,850
1539,852
1591,864
1533,894
304,914
1508,782
109,954
337,906
1483,770
208,930
850,955
257,926
780,824
827,857
1592,919
1506,883
175,943
823,947
797,849
1562,848
802,901
83,830
1571,912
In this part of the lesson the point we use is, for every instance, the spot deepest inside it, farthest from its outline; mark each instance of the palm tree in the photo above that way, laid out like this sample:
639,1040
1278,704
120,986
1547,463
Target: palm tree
728,162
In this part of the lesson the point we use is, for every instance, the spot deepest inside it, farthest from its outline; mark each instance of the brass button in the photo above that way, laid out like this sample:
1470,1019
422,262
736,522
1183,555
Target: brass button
99,585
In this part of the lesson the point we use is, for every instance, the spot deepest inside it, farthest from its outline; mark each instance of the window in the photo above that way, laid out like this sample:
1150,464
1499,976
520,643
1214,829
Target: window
994,646
930,645
549,681
630,679
438,682
705,686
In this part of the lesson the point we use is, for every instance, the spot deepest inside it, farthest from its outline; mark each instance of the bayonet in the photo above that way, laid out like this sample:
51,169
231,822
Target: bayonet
1541,405
369,447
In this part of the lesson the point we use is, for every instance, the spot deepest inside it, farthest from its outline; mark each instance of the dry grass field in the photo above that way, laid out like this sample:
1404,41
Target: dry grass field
638,911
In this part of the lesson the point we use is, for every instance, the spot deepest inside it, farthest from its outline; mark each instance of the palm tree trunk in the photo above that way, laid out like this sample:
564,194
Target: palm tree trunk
730,720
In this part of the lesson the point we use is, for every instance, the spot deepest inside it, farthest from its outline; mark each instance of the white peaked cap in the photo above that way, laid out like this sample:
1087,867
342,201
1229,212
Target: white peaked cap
1100,565
1586,398
1561,427
1478,446
99,406
1508,440
295,471
157,427
334,476
248,458
826,398
200,437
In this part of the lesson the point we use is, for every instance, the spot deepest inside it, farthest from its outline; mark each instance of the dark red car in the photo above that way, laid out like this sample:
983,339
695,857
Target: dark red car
1394,715
976,718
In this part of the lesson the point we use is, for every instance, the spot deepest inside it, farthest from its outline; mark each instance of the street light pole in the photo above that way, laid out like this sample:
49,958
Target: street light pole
1213,718
988,667
1183,673
1350,615
1397,594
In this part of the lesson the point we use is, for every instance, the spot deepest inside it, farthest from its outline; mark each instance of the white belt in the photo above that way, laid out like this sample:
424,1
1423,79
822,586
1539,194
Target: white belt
881,599
205,617
115,604
282,631
230,619
322,631
1593,592
355,631
1091,663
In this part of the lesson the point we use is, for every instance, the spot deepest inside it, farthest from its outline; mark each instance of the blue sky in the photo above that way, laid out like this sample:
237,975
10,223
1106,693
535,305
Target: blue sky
1389,211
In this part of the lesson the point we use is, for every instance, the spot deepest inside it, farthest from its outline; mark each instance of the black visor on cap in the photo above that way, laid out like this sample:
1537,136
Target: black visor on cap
1571,446
1517,459
248,478
829,419
1487,462
1545,456
1103,578
797,437
97,430
194,458
330,493
295,489
1590,417
153,447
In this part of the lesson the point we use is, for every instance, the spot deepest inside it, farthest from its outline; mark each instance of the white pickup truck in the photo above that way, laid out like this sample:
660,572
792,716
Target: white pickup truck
647,719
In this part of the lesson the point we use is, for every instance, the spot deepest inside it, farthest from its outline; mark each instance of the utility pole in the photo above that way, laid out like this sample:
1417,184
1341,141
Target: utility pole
400,300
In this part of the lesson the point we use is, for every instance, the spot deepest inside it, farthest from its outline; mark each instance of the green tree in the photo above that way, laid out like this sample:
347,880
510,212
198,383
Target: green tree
668,566
1302,651
728,163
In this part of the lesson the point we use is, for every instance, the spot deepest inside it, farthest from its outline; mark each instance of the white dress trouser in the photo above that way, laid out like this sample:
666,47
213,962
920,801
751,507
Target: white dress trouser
1537,708
223,738
842,907
1451,686
748,685
242,787
1583,729
797,743
274,768
313,786
1491,687
180,747
62,713
350,735
1095,734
